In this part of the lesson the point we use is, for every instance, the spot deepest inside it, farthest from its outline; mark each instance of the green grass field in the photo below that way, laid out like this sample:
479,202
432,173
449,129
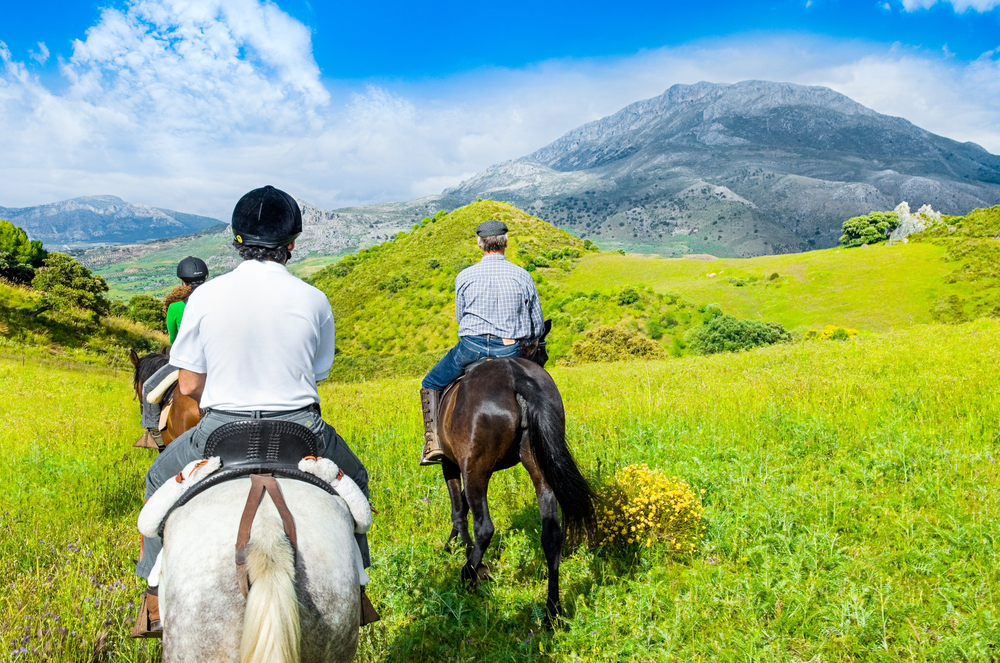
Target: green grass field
850,490
843,287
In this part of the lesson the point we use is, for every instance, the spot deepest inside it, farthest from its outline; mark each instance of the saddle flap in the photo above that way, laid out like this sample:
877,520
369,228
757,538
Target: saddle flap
261,443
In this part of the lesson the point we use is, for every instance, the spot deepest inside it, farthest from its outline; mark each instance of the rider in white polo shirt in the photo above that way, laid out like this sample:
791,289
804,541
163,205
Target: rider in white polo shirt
252,344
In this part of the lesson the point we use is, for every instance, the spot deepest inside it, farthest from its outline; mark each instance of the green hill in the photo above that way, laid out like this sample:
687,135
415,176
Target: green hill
29,326
394,302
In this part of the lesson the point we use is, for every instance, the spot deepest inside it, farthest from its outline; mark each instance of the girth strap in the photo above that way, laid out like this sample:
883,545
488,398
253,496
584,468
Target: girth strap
258,484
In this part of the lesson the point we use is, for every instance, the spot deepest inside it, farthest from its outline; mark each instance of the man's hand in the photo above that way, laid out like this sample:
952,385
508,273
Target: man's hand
191,384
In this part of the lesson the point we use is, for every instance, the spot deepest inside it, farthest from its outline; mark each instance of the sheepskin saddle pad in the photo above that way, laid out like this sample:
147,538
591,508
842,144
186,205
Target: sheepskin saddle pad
257,446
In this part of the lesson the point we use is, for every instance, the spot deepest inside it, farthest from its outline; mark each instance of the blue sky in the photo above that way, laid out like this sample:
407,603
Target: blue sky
187,104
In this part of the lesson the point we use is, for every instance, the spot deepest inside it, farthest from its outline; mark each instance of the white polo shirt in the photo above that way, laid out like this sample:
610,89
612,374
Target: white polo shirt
262,336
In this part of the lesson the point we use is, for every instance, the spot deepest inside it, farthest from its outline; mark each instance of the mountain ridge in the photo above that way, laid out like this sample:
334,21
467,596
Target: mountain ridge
773,167
105,219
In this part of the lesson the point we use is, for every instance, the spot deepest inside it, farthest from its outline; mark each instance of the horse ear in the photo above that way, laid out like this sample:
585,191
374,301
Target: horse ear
548,327
134,358
165,350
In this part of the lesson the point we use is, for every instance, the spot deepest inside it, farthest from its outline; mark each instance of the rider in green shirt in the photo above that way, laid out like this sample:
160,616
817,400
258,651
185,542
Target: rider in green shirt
193,272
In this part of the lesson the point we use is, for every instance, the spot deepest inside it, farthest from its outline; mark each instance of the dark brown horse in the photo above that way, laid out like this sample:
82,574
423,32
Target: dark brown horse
184,412
500,413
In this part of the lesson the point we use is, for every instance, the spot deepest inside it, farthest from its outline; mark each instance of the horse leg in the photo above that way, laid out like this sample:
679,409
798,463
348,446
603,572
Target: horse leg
476,486
552,534
459,505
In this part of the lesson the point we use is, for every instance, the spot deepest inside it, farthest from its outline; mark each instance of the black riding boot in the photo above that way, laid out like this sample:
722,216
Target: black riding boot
432,445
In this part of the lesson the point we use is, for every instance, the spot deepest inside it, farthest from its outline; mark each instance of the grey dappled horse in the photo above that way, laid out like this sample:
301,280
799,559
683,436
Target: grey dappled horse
302,605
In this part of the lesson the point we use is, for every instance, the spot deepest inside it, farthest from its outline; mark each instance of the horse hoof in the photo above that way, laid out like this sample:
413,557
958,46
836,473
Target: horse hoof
483,572
470,577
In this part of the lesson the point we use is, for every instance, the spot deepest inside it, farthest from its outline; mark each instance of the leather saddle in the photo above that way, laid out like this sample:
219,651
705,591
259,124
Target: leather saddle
256,446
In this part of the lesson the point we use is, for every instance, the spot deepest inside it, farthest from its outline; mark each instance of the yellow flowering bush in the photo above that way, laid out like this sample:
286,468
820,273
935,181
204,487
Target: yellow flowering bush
640,507
831,332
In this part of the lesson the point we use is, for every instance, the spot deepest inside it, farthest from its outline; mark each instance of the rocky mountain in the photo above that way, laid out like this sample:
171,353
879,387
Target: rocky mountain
100,220
736,170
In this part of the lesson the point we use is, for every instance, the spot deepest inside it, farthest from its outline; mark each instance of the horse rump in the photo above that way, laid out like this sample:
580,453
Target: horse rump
546,429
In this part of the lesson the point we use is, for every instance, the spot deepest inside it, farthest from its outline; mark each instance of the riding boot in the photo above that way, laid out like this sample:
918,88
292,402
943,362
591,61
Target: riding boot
147,624
368,612
432,445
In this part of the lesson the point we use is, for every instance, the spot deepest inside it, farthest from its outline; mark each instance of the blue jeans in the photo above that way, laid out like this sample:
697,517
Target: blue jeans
191,446
469,349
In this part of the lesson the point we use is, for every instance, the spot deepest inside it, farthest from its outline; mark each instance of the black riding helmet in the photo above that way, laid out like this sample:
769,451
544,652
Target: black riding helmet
267,217
192,270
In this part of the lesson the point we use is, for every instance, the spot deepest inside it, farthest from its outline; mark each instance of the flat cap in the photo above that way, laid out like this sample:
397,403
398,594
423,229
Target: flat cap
491,228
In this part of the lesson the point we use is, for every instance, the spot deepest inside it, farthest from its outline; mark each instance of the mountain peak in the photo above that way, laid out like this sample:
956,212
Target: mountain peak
737,169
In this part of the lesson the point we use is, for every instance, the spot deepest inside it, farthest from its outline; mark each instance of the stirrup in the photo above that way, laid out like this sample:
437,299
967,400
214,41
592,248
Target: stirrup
368,612
147,624
435,458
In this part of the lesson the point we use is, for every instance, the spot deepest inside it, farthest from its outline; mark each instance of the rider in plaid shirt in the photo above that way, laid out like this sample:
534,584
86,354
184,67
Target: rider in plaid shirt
497,306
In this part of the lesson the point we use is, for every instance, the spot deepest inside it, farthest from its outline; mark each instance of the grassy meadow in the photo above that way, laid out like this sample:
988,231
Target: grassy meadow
851,494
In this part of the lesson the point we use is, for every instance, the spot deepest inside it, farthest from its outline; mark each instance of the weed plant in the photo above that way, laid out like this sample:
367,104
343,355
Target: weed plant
851,503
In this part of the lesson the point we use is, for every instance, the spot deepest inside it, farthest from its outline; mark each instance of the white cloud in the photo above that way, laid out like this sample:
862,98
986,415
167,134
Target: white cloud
960,6
42,56
189,105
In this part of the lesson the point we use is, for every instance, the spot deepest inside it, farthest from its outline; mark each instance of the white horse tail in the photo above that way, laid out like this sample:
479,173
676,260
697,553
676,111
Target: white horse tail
271,631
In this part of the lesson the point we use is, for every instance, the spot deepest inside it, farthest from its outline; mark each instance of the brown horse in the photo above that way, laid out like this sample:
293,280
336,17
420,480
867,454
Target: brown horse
184,412
501,412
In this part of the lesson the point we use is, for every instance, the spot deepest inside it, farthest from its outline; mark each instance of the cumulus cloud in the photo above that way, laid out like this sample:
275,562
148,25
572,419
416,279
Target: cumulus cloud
189,105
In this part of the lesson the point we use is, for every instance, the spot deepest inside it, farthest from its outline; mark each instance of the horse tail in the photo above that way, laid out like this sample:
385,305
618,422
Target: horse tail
547,434
271,631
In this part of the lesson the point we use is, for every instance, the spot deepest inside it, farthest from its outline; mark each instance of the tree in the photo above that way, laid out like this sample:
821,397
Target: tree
869,229
13,270
147,310
14,240
67,282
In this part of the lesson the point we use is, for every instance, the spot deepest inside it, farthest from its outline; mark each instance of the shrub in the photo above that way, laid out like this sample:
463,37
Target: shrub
14,270
726,333
831,332
869,229
67,282
615,343
628,295
640,507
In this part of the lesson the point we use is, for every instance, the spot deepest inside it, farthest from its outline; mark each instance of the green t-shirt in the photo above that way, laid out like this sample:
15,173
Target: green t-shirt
174,314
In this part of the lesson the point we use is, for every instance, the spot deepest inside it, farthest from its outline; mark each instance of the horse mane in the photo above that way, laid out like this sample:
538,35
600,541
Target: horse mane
149,364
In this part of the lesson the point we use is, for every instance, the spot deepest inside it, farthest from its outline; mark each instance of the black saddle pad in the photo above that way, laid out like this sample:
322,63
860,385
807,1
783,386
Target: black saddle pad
261,443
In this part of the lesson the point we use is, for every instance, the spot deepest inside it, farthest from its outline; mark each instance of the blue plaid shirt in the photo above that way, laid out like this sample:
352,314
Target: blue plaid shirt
497,297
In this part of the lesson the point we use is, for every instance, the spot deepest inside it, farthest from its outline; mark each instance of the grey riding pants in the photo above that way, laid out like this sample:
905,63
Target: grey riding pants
191,446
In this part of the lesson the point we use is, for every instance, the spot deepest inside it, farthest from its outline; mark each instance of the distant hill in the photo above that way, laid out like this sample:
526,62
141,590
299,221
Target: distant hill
746,169
100,220
394,303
